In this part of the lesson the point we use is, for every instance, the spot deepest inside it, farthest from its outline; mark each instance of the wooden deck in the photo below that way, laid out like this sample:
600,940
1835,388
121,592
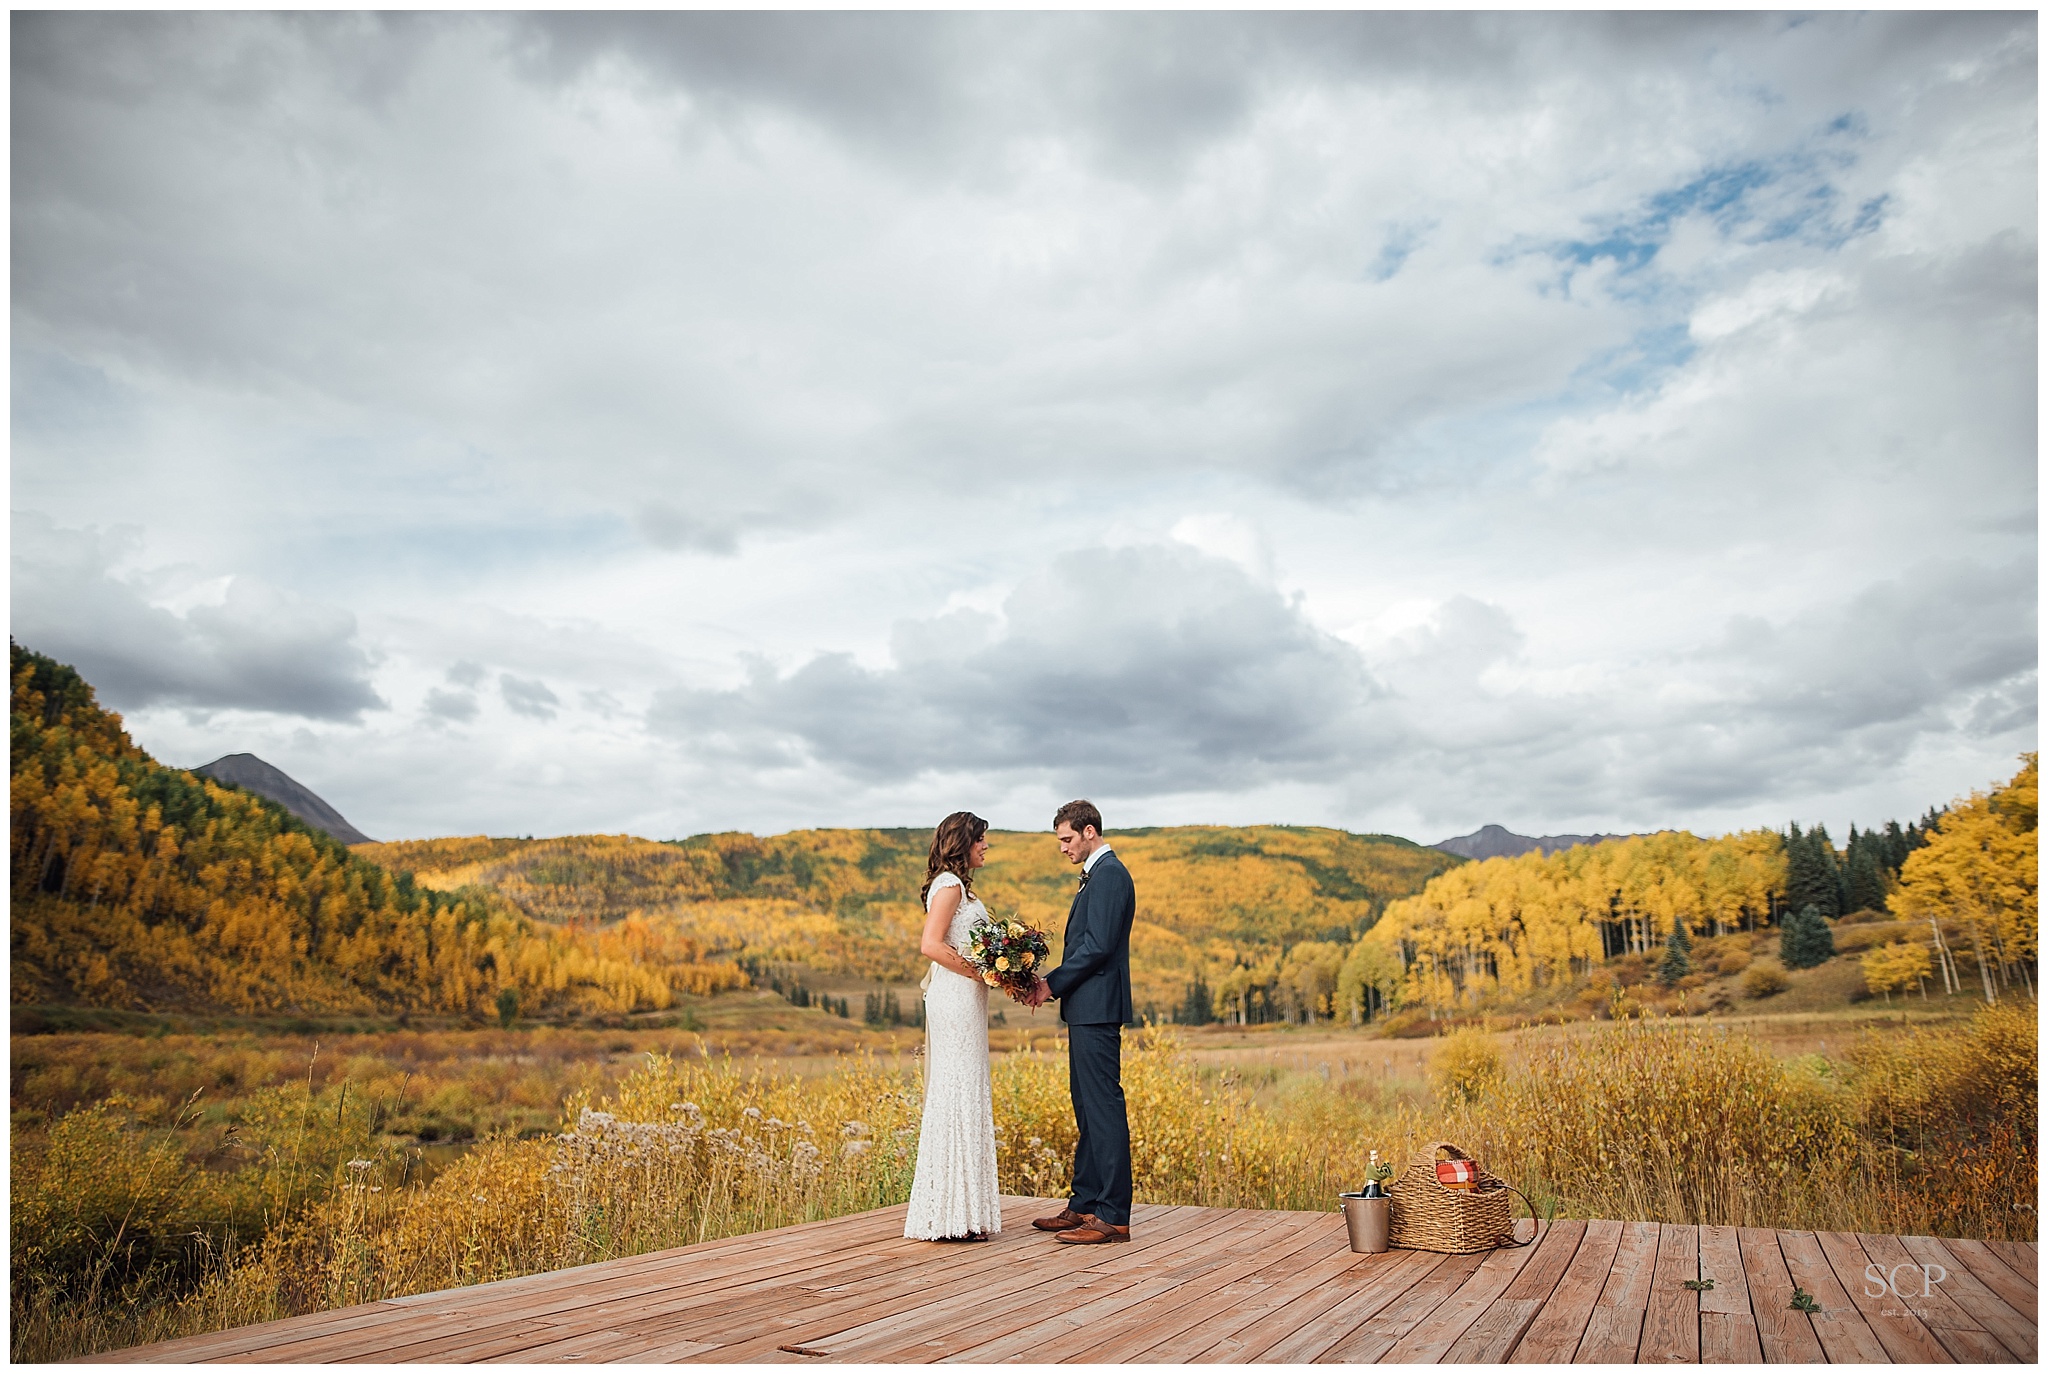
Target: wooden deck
1200,1285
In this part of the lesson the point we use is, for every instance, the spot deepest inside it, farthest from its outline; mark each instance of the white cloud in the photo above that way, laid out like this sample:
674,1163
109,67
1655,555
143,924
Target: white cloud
1436,391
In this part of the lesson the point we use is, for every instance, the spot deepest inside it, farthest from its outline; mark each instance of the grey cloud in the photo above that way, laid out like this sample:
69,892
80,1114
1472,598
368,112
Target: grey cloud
1805,705
667,527
456,706
261,649
1153,671
1136,670
528,698
1853,687
1142,92
466,673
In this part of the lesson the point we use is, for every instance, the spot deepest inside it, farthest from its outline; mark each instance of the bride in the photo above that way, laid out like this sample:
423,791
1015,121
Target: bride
953,1196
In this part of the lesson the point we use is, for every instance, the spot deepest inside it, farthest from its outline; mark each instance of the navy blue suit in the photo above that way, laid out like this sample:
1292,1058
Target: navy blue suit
1093,983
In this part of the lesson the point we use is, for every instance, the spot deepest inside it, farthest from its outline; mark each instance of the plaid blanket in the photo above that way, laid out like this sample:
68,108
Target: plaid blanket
1457,1173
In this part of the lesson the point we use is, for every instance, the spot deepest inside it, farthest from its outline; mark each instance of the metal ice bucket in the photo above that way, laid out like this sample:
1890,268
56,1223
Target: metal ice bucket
1366,1219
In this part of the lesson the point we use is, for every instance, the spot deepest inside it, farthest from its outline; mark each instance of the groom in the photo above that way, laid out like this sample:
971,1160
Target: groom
1093,983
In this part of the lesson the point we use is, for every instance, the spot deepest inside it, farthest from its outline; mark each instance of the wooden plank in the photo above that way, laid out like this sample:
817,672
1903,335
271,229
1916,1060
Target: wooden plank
504,1338
1322,1313
446,1333
1992,1313
1370,1342
1786,1335
514,1302
1838,1326
1615,1328
1894,1321
836,1232
1995,1274
757,1293
1037,1262
682,1280
999,1268
212,1345
1493,1337
1304,1328
763,1302
1671,1319
1195,1274
1056,1311
1553,1338
774,1283
1728,1332
585,1347
670,1353
1195,1285
1279,1253
1246,1300
461,1347
1433,1339
2021,1256
1901,1281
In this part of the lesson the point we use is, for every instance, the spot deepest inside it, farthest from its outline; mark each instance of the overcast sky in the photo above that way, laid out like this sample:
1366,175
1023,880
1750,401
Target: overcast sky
677,423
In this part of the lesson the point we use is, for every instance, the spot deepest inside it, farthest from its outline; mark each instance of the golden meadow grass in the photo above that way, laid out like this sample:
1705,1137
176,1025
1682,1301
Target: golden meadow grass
1913,1130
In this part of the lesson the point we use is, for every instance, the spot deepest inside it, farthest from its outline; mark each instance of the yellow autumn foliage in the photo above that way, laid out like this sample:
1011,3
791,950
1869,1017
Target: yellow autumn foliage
1979,875
139,886
1272,908
1508,926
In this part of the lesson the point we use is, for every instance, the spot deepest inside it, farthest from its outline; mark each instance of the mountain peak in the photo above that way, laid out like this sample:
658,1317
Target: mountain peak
252,774
1499,842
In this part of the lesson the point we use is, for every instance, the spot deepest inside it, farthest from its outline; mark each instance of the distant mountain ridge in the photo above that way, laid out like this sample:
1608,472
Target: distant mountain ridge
1499,842
252,774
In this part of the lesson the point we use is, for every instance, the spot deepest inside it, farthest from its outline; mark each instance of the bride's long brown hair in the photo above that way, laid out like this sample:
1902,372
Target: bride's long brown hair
951,843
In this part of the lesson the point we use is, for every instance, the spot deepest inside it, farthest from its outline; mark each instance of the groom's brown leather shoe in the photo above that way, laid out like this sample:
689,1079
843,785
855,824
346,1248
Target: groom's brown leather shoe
1094,1231
1067,1220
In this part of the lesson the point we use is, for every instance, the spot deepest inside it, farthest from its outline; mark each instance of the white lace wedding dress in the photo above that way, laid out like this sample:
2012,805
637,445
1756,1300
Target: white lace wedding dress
954,1191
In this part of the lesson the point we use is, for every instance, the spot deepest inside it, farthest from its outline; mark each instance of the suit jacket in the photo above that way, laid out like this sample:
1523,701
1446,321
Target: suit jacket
1093,981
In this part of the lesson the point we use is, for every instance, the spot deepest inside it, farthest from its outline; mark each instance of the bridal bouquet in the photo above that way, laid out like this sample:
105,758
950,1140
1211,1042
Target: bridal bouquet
1008,953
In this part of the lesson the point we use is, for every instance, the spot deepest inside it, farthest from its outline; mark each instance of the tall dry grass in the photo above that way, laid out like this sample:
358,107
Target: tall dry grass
1927,1132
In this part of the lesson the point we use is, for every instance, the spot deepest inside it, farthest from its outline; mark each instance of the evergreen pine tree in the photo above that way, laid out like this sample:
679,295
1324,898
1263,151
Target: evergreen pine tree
1831,864
1198,1008
1805,940
1677,956
1865,879
1892,847
1810,876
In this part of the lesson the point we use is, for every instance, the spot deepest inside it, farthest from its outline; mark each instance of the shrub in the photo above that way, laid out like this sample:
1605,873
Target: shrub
1900,966
95,1204
1733,962
1765,980
1465,1068
1676,1123
1960,1106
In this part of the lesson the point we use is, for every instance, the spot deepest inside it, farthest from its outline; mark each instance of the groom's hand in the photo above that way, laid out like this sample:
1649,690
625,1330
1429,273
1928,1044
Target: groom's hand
1041,993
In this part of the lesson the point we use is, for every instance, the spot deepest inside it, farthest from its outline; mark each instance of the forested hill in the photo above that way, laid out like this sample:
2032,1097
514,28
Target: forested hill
140,886
844,902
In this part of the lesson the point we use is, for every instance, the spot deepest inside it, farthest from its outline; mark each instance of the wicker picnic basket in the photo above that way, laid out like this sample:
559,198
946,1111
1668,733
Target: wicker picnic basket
1451,1221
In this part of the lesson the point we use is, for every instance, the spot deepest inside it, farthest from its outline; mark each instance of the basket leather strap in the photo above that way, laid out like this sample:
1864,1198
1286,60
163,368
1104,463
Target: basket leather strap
1536,1223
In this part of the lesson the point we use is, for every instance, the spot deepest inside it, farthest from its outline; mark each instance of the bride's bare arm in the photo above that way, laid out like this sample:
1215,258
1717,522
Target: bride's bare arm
937,923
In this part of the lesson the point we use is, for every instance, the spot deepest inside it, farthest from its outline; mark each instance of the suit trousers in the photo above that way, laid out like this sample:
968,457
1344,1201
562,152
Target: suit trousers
1102,1155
